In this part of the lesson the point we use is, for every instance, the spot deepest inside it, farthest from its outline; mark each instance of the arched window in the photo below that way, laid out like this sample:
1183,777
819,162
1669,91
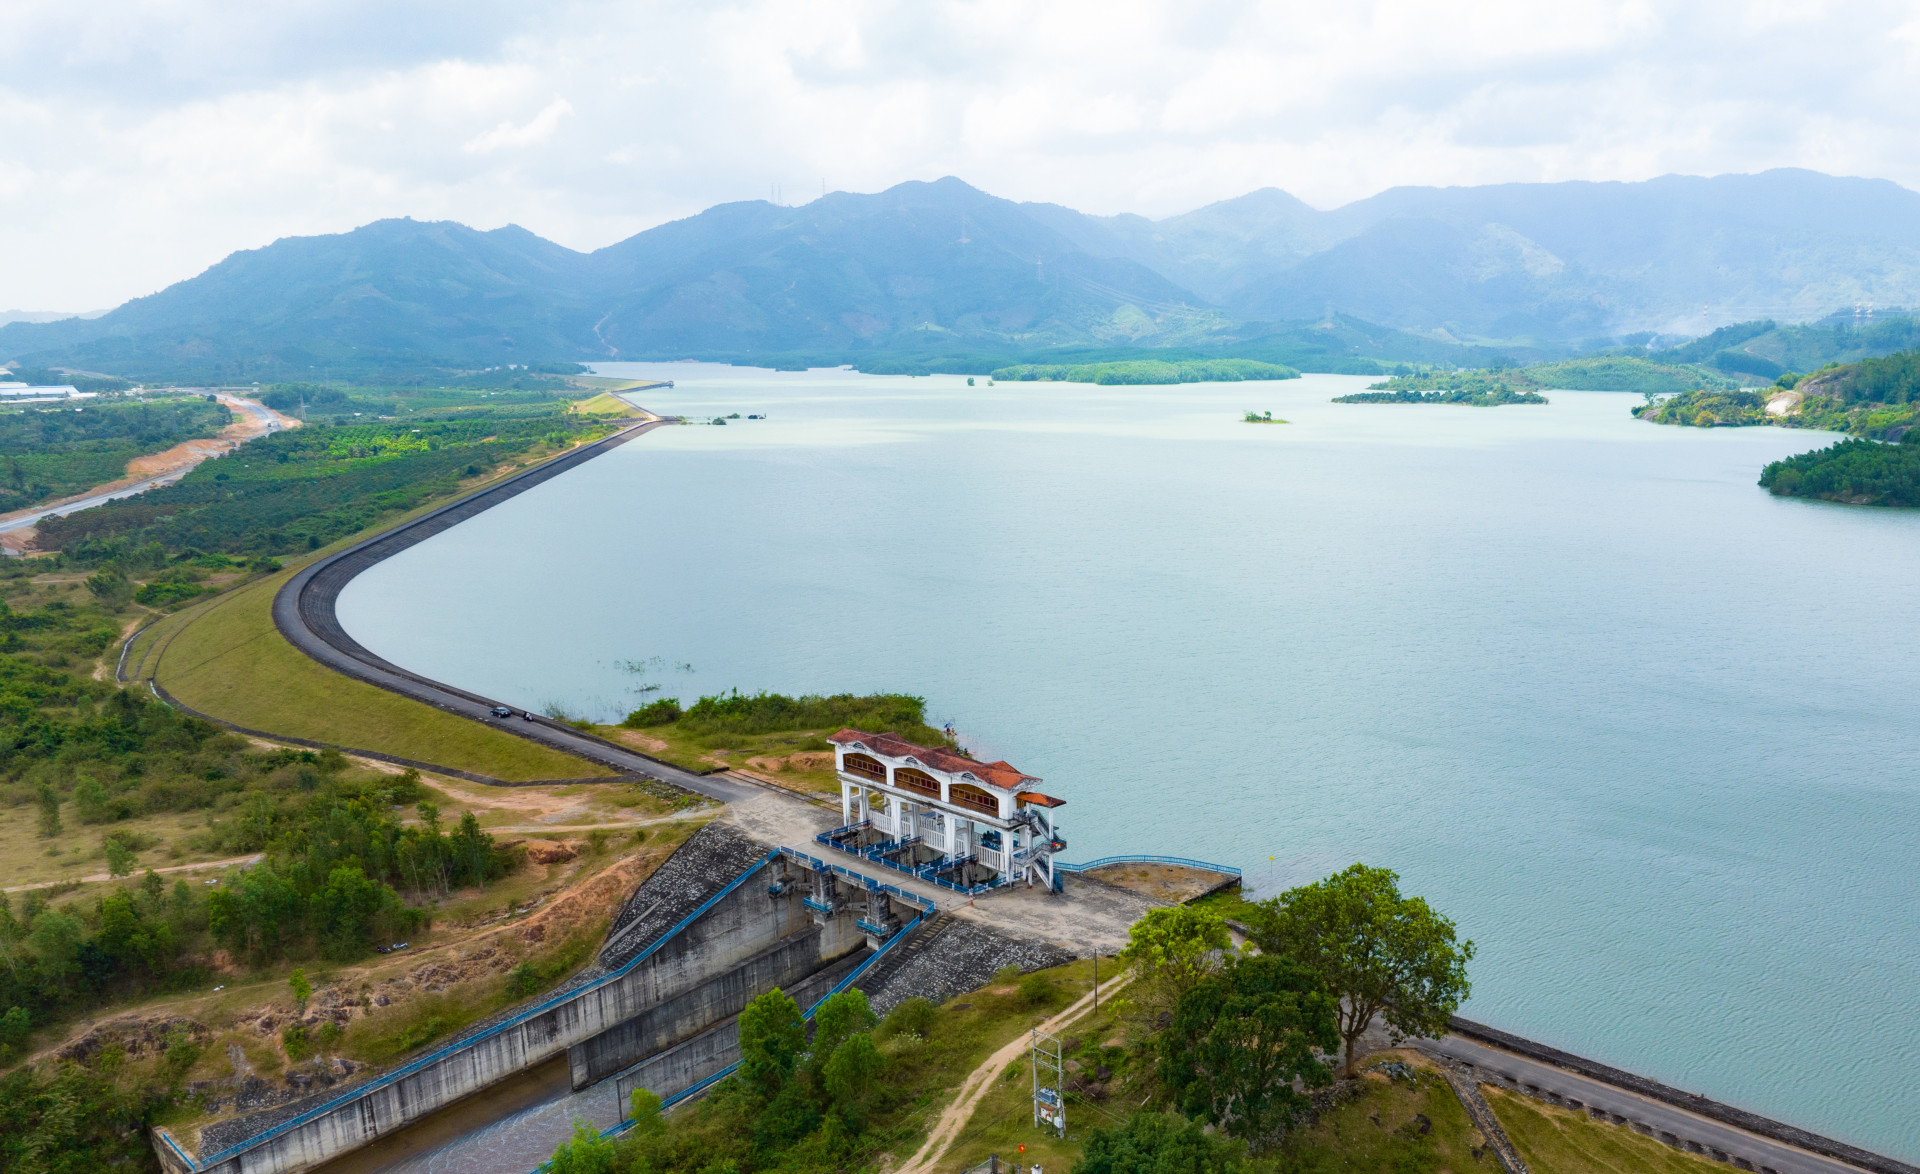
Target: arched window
865,767
974,799
917,781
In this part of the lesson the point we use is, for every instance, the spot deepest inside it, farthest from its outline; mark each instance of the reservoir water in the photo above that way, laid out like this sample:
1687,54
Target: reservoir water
1644,731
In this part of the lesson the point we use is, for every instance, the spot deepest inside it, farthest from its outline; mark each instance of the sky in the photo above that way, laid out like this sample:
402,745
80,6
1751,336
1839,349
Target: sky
143,140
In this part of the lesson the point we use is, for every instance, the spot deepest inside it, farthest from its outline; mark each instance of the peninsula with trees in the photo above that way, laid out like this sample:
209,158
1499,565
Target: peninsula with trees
1876,401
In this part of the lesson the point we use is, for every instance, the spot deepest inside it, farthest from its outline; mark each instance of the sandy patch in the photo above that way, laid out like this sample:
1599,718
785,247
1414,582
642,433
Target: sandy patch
1162,882
640,741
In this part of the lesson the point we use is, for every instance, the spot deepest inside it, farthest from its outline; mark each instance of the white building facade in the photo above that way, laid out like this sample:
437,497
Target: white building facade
937,809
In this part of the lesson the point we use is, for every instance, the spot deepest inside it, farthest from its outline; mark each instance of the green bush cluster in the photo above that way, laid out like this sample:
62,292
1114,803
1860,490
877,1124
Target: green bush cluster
128,941
662,712
336,860
736,713
70,1120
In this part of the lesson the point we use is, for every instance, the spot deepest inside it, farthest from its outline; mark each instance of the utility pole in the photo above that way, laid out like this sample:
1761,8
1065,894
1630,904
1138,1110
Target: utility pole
1049,1109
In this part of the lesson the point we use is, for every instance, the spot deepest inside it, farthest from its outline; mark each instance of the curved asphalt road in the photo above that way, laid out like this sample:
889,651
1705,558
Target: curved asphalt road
304,612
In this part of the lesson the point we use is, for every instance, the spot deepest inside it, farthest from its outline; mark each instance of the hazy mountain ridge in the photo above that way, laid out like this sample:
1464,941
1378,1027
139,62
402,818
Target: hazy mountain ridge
943,267
1567,261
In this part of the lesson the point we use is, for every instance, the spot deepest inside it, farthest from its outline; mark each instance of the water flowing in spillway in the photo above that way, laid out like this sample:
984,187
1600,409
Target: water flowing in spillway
1643,730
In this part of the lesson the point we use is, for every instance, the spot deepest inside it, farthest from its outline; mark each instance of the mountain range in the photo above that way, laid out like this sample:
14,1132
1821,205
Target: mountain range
942,268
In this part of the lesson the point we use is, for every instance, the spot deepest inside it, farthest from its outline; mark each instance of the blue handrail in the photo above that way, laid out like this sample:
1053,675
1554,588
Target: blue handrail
1063,866
496,1029
178,1152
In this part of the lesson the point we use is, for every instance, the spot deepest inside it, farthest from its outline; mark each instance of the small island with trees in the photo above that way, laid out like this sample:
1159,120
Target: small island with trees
1457,388
1147,371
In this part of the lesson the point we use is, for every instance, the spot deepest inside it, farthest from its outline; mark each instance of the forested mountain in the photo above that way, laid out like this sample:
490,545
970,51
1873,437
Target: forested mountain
1769,349
927,268
1567,261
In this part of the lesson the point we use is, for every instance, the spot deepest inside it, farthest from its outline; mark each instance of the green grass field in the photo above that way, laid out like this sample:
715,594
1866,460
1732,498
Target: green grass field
1561,1141
226,658
604,404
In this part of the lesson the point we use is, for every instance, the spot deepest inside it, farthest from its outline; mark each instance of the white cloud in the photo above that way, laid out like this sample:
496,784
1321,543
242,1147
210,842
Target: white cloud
141,140
537,129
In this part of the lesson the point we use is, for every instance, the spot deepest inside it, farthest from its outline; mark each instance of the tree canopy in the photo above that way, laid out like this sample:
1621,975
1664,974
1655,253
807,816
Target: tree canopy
1241,1037
1380,953
1155,1143
1171,950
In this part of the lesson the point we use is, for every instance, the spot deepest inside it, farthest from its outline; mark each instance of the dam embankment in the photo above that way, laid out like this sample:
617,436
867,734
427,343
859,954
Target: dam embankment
667,963
720,922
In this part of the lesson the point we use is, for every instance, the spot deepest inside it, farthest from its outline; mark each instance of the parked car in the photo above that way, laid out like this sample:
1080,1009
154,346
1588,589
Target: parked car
501,711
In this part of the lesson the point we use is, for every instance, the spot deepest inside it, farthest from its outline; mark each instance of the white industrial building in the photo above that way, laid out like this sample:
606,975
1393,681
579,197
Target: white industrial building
943,816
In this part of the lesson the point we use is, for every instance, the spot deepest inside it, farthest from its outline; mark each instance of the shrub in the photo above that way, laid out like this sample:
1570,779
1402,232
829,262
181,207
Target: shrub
15,1027
1149,1143
182,1053
167,594
524,981
911,1017
1036,990
293,1037
663,712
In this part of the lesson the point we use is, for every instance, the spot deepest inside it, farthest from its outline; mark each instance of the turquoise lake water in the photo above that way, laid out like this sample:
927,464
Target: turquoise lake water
1645,732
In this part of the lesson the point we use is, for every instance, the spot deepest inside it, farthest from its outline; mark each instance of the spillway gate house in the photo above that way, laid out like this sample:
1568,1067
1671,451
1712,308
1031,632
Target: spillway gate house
943,816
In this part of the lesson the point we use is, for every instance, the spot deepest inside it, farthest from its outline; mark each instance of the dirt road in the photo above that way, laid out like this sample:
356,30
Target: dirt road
955,1117
101,876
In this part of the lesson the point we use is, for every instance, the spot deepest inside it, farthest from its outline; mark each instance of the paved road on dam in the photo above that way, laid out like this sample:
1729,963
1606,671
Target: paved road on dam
1587,1093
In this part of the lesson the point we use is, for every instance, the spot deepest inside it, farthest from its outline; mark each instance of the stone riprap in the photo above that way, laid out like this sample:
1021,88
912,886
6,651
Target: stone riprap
710,859
950,957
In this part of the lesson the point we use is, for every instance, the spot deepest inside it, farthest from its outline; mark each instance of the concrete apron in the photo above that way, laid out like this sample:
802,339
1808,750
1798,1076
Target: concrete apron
689,986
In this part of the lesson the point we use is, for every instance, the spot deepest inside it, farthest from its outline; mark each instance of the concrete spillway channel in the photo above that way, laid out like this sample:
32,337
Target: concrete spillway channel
722,921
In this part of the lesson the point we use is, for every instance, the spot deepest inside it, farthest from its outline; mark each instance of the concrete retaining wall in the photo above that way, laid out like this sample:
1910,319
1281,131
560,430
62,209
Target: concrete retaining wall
784,964
742,926
688,1063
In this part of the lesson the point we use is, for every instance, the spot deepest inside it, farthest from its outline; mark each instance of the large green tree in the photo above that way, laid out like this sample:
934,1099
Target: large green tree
1378,952
1171,950
1241,1038
772,1036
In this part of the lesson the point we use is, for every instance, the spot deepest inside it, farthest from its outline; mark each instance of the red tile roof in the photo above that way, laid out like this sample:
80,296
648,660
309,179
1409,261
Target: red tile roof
1003,775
